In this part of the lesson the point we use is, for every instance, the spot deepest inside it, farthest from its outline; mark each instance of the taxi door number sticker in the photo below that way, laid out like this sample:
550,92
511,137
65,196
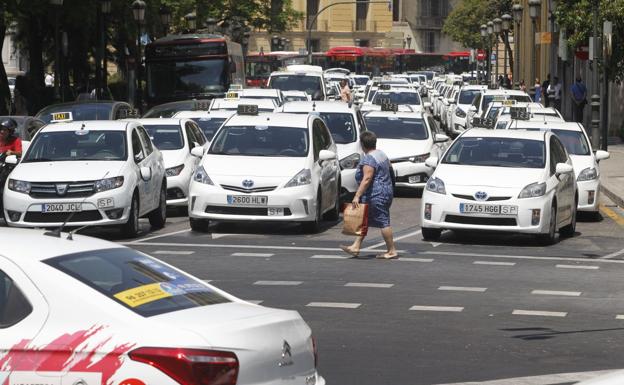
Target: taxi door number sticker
143,294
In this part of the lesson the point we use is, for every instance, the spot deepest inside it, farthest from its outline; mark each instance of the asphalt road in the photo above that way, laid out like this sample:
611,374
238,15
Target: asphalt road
469,308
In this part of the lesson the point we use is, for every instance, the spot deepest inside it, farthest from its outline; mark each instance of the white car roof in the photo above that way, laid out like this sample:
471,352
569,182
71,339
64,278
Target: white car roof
305,68
474,87
272,119
91,125
205,114
547,125
294,93
233,103
360,76
399,114
503,91
321,106
513,134
159,121
268,92
398,90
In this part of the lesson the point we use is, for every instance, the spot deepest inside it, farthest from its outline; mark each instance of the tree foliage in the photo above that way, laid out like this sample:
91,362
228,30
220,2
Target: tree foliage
464,22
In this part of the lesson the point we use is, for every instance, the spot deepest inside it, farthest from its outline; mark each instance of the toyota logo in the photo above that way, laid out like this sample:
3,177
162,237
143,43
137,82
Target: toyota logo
481,196
248,183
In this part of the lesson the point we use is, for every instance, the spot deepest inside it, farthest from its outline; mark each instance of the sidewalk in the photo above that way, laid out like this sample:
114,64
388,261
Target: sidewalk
612,174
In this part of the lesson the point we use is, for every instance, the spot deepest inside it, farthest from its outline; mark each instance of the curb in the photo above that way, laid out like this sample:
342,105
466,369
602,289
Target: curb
613,196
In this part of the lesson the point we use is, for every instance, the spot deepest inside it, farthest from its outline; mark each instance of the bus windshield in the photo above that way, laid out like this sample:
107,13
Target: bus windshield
186,77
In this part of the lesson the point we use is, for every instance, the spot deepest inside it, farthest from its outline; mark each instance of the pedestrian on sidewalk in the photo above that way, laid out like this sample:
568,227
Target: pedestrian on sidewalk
522,86
545,85
375,189
345,91
555,89
578,93
538,91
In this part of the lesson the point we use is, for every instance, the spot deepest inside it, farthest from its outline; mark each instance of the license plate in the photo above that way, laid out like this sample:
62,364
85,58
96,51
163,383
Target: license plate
247,200
105,203
275,212
471,208
413,179
61,207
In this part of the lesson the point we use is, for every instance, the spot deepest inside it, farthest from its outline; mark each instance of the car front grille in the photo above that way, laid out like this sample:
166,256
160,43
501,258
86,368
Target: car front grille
231,210
80,216
471,198
72,190
486,221
250,190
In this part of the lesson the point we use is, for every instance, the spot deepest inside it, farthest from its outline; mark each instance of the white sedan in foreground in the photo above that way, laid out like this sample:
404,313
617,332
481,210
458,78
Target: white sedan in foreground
512,181
140,321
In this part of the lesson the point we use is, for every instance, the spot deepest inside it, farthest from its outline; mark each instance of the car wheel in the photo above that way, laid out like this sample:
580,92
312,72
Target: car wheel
569,230
334,213
430,234
549,238
158,217
198,224
131,228
314,226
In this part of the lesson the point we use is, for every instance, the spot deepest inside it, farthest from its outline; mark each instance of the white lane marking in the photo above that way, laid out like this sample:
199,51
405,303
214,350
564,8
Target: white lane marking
376,245
582,267
544,258
372,285
437,308
174,252
555,292
217,235
558,378
491,263
463,288
157,236
415,259
278,283
435,244
228,246
613,255
254,301
329,257
336,305
619,316
540,313
262,255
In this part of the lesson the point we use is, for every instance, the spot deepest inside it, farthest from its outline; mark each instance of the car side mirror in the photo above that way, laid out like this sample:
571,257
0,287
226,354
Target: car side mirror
432,162
472,109
326,155
11,159
563,168
146,173
440,138
197,151
602,155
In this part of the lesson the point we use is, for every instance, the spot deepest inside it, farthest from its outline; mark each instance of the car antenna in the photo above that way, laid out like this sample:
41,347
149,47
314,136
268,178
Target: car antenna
57,232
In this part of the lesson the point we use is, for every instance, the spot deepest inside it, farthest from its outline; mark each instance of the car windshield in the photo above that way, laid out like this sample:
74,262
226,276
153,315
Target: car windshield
295,98
396,98
391,127
209,125
166,136
261,141
574,142
360,81
169,78
142,284
77,145
341,126
496,152
83,111
309,84
168,110
467,96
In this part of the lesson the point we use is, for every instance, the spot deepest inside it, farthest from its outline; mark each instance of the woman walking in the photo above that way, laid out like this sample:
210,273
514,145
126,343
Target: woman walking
375,189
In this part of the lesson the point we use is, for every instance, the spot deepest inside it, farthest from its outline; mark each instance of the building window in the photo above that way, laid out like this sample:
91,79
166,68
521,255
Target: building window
311,10
396,10
431,41
360,16
316,45
434,8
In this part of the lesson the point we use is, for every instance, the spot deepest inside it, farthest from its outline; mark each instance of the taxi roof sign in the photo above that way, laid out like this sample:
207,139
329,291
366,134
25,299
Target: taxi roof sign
232,95
58,117
519,113
247,109
509,102
392,107
201,106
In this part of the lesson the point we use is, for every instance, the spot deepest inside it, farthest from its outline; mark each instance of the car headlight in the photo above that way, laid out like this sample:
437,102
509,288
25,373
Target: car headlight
418,158
533,190
460,113
589,173
108,184
174,171
201,176
350,161
302,178
19,186
436,185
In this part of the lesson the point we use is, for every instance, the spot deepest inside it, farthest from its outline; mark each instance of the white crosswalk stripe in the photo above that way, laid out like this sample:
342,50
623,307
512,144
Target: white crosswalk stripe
261,255
540,313
336,305
492,263
437,308
460,288
556,292
278,283
372,285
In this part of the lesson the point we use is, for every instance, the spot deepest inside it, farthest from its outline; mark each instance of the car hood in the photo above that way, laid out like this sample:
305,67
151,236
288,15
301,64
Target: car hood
481,176
174,158
252,166
402,148
67,171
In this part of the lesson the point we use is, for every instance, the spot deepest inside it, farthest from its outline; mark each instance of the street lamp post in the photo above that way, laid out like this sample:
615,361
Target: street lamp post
191,21
275,40
313,19
490,31
106,10
165,18
409,42
517,10
506,26
497,31
550,98
484,34
211,25
57,4
534,10
595,98
138,12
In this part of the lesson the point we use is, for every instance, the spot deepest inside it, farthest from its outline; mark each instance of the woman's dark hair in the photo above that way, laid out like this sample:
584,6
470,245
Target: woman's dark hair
368,139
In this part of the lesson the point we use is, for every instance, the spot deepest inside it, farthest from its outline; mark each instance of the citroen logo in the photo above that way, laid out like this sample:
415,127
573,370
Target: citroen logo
481,196
286,355
61,188
248,183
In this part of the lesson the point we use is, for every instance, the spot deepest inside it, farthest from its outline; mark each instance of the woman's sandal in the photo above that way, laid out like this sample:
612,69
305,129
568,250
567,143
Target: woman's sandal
387,256
347,250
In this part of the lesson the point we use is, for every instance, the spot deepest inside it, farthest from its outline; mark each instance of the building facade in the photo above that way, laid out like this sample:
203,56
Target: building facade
425,19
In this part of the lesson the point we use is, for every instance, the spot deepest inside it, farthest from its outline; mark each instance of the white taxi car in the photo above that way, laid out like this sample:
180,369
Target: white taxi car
225,104
584,160
268,167
466,96
88,173
482,101
141,321
408,139
502,180
175,138
300,78
208,121
257,93
387,94
345,124
505,114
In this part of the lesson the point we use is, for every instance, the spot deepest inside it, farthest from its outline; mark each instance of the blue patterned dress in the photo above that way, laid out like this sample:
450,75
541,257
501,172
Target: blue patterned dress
380,193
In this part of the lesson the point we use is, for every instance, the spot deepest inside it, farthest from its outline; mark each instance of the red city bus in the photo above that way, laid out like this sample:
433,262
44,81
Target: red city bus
259,65
361,59
457,62
410,60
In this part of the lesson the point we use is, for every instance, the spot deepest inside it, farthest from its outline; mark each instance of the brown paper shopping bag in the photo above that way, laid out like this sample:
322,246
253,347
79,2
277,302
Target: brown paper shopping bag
355,219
